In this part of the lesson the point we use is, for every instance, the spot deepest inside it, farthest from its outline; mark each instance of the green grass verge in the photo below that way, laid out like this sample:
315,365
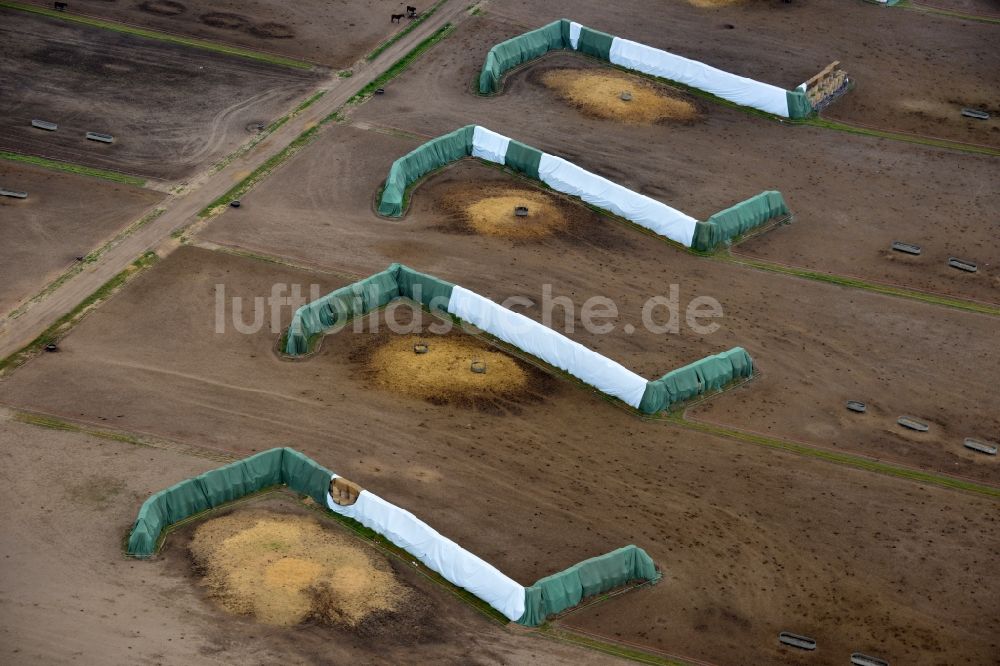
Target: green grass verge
65,322
53,423
895,136
73,168
400,65
614,649
404,32
160,36
89,259
857,462
855,283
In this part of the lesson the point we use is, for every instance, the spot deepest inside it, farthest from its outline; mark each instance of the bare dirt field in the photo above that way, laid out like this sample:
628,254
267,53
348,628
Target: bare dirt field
64,216
70,498
528,470
914,71
817,345
560,479
170,108
852,196
332,33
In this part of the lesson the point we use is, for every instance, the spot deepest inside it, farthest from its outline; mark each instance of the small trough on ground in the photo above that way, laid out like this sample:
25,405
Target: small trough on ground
857,406
963,265
51,347
859,659
908,248
795,640
44,124
99,136
981,447
235,203
478,367
521,211
13,193
420,348
978,114
625,96
912,424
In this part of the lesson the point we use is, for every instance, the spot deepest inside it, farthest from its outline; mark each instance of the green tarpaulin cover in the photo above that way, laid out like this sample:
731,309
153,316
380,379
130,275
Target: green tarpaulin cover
798,104
362,297
214,488
507,55
708,374
420,161
554,594
739,219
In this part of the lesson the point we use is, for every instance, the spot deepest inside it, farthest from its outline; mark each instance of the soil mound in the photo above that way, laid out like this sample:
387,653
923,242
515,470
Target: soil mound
285,569
599,93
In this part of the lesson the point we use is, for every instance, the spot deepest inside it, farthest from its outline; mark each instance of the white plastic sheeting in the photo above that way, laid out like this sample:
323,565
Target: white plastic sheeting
574,34
566,177
554,348
746,92
488,145
438,553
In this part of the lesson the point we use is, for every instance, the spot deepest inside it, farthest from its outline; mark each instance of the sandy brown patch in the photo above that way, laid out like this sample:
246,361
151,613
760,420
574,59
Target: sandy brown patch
285,569
598,93
444,373
490,211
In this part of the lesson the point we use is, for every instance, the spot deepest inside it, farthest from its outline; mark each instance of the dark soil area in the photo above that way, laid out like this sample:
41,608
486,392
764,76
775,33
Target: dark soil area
171,109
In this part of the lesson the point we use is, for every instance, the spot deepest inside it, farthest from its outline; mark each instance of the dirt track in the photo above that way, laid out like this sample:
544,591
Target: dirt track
64,216
170,108
332,33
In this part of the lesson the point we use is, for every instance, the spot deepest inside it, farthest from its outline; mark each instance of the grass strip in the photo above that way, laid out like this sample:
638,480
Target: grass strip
78,169
855,283
614,649
53,423
896,136
67,321
89,259
847,459
404,32
261,172
160,36
400,65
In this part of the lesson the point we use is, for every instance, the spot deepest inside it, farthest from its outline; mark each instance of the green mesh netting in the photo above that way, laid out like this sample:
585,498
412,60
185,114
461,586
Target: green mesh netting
554,594
218,486
739,219
708,374
420,161
507,55
362,297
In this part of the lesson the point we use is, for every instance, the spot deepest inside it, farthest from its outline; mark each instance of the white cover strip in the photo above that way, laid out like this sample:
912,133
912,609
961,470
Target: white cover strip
488,145
554,348
566,177
438,553
574,34
696,74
